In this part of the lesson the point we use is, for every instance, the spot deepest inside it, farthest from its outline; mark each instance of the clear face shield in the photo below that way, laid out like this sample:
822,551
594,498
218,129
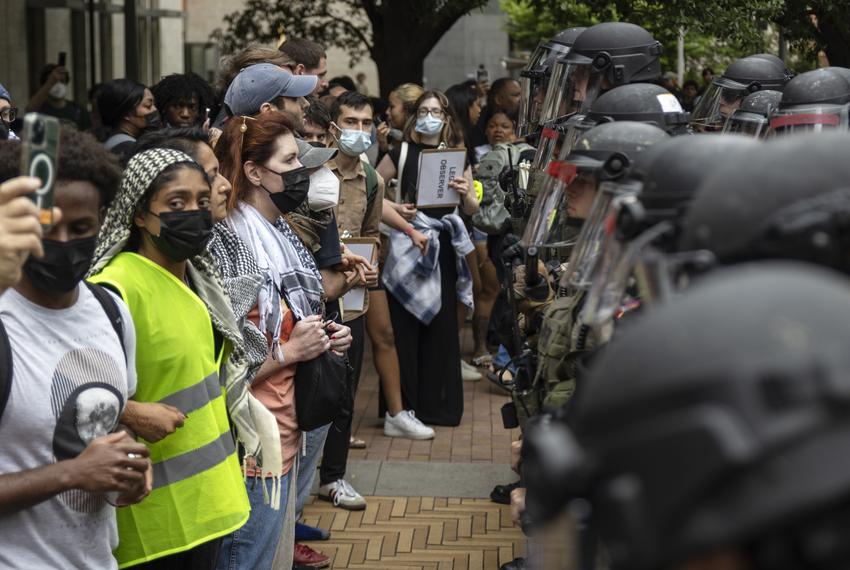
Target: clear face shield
556,141
551,223
722,98
597,243
575,84
748,124
809,118
534,83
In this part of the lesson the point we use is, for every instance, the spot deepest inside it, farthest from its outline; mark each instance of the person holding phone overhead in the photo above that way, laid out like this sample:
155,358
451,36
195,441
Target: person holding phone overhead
52,97
66,460
424,314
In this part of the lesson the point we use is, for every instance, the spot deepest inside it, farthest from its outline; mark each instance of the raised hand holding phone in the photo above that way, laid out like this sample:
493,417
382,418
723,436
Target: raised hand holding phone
39,150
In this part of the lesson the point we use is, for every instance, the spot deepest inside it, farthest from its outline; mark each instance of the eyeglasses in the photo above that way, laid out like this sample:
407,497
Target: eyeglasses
436,113
9,114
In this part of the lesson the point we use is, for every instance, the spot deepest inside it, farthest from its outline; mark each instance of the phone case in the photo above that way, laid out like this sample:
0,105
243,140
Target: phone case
38,158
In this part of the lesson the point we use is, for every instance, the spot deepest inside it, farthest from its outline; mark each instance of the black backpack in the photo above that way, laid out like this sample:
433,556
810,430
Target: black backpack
110,307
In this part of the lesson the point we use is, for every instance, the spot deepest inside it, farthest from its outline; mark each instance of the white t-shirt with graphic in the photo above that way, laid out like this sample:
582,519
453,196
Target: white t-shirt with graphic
70,385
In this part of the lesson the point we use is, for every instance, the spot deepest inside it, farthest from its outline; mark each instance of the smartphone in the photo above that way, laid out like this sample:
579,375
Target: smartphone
39,149
482,74
62,59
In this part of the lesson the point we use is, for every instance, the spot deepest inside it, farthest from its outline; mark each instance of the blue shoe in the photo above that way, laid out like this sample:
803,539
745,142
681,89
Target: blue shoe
306,533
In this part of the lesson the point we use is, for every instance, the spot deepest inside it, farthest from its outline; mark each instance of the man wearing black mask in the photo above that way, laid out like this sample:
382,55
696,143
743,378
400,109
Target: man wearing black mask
65,460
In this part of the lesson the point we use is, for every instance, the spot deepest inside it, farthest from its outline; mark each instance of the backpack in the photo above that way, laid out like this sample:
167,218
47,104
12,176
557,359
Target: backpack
371,184
110,307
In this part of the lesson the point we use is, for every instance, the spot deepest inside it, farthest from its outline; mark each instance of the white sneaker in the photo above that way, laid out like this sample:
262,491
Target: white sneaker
469,372
343,495
406,424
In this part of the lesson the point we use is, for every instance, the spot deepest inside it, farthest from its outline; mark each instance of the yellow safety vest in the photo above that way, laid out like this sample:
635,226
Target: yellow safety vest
198,490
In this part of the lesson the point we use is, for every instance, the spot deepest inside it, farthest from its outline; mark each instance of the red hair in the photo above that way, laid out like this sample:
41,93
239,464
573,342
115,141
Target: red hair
248,138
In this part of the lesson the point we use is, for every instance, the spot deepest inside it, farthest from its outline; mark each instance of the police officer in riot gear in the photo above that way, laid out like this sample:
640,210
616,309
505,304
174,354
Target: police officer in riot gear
753,118
710,430
742,77
814,101
602,154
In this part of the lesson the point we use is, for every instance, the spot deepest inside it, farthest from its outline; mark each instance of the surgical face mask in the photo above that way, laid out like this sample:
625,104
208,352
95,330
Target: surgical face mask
58,91
353,142
429,125
296,185
63,266
183,234
324,190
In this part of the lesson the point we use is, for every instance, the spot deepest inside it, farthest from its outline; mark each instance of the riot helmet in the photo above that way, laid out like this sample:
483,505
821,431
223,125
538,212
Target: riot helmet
534,79
601,156
713,424
643,229
753,118
603,57
814,101
742,77
640,102
789,199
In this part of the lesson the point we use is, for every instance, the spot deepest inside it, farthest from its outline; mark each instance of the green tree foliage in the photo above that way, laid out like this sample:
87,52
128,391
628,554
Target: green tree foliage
717,31
397,34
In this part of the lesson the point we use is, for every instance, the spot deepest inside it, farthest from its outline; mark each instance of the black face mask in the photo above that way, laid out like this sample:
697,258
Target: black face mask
296,184
152,121
183,234
63,266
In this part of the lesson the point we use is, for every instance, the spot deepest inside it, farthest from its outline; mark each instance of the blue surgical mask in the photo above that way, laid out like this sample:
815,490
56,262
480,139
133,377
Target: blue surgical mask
354,142
429,125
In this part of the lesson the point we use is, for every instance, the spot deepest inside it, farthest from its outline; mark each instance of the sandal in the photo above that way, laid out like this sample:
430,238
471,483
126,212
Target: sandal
356,443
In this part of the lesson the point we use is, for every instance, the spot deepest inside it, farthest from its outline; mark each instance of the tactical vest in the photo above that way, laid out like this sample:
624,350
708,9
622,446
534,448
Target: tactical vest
198,490
562,341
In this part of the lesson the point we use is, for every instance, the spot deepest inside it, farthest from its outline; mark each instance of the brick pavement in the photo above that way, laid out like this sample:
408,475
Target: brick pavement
480,438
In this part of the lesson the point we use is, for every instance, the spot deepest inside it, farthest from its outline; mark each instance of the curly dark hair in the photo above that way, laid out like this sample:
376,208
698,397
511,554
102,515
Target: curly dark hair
317,113
184,139
181,87
81,159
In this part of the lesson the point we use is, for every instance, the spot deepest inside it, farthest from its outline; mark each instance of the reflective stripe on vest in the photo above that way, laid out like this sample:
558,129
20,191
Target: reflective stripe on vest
198,493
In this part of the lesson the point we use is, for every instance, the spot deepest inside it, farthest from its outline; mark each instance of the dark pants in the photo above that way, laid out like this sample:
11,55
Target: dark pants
429,355
202,557
336,445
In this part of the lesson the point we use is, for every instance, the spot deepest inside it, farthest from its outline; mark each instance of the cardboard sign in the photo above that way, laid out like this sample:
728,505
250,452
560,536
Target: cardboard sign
355,300
436,169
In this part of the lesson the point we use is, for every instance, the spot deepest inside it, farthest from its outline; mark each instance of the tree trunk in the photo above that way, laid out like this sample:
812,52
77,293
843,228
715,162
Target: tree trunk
393,70
837,47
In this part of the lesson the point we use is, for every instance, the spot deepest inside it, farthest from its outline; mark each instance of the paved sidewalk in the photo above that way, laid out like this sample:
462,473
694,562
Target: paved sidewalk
436,517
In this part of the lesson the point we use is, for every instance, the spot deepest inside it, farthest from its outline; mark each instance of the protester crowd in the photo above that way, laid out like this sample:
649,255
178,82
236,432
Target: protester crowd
182,335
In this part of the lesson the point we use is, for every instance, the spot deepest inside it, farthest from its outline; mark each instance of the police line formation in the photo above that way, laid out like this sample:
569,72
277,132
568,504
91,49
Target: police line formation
677,283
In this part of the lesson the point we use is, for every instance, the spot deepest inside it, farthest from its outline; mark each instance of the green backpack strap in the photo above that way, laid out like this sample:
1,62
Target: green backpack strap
371,184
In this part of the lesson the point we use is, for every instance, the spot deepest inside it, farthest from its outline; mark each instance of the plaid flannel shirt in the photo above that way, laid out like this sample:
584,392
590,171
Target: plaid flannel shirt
414,279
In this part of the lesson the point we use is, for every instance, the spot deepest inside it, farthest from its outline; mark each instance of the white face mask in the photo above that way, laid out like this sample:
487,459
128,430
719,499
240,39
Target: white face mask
59,90
429,125
324,190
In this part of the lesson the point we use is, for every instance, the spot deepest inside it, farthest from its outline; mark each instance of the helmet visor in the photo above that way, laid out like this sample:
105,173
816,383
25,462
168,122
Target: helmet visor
572,89
534,81
805,118
747,124
616,270
597,235
546,149
717,104
550,223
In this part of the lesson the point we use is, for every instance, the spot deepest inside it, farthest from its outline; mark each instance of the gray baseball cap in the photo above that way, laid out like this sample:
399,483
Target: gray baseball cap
313,156
263,82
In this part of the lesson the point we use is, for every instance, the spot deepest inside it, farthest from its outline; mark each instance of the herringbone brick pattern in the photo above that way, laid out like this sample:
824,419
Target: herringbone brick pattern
420,533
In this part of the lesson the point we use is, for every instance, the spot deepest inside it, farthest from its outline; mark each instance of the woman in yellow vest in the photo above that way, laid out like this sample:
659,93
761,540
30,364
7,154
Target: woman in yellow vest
151,252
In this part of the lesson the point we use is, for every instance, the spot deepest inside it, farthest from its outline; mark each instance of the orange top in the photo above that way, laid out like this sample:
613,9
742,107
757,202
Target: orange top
277,394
